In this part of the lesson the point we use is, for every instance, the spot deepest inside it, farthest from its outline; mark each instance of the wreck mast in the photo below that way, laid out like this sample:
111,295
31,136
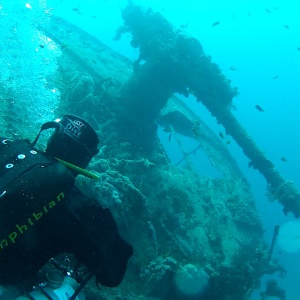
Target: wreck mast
182,67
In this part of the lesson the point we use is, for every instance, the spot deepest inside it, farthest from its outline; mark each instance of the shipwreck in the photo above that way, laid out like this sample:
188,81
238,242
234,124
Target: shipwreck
193,235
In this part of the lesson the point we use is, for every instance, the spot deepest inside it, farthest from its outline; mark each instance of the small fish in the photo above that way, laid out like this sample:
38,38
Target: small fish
249,14
184,25
212,163
232,68
42,46
259,108
75,9
221,135
63,47
167,129
275,77
286,26
170,136
228,142
283,159
215,24
298,48
195,130
268,11
140,186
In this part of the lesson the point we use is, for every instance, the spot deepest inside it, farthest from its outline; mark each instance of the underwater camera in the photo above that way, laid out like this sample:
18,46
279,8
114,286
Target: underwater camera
60,282
64,291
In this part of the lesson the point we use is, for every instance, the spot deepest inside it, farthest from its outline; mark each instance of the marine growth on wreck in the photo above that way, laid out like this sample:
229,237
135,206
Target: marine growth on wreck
194,236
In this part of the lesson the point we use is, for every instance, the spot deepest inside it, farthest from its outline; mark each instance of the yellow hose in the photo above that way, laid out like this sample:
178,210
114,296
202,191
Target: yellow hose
78,169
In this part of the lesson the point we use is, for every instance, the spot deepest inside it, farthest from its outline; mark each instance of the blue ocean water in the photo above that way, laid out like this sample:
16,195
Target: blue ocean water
256,44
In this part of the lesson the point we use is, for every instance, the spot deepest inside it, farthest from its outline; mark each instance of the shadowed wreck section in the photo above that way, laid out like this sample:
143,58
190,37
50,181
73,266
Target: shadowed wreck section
194,236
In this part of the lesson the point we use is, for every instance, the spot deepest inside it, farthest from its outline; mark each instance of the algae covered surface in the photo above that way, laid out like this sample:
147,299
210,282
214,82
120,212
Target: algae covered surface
194,236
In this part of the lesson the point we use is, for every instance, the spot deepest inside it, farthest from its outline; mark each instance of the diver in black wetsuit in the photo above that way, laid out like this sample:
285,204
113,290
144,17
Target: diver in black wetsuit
43,214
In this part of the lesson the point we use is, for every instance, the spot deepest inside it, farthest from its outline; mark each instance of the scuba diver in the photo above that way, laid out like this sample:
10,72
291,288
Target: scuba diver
43,214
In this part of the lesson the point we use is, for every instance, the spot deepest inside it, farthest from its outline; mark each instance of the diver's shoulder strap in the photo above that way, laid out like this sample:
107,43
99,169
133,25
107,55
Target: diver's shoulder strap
18,158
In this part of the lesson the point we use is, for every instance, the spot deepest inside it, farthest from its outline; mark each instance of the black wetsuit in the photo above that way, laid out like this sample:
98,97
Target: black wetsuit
42,214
